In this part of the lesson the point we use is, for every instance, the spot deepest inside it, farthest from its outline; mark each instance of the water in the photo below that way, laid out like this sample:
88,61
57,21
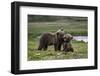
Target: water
81,38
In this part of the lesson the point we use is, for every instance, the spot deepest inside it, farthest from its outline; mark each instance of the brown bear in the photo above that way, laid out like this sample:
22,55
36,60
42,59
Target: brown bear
67,43
49,38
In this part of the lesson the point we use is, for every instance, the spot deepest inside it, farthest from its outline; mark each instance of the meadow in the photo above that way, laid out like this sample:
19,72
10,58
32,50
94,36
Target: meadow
74,27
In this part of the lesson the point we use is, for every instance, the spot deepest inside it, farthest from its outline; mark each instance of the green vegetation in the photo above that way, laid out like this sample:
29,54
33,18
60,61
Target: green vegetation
73,25
80,51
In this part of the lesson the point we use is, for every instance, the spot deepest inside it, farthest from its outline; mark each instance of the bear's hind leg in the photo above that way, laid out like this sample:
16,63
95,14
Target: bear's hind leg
45,47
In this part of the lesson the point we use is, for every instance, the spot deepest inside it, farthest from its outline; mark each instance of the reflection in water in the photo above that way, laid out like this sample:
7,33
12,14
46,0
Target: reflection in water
81,38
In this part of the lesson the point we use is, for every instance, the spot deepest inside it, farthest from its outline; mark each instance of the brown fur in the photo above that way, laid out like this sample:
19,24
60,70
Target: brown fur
67,43
47,39
67,47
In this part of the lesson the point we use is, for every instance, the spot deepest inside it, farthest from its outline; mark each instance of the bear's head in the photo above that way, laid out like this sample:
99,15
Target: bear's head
67,37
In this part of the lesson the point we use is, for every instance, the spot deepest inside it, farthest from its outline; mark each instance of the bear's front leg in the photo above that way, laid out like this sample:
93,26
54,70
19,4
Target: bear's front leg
55,47
59,47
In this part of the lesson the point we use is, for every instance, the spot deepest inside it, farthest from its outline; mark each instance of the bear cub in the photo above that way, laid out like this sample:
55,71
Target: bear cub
67,46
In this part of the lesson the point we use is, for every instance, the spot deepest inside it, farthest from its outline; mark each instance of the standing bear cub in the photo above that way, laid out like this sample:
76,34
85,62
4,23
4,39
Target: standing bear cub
49,38
67,47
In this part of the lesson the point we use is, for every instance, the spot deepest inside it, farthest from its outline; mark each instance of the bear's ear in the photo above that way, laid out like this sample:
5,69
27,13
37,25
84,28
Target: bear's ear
57,33
71,37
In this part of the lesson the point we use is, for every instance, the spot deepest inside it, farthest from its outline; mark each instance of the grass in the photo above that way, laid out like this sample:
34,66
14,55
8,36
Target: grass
74,28
80,51
35,29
